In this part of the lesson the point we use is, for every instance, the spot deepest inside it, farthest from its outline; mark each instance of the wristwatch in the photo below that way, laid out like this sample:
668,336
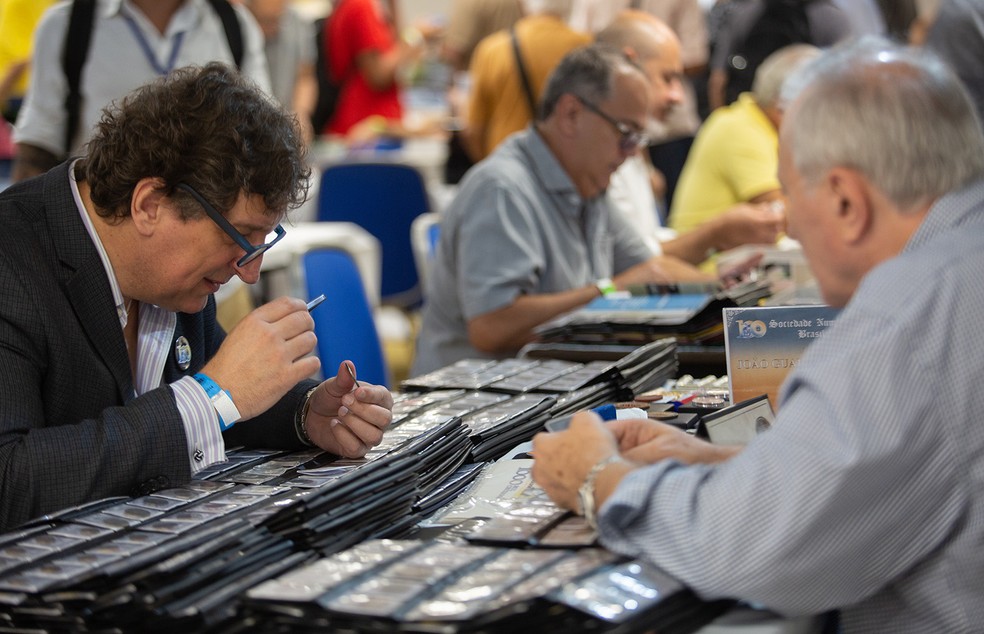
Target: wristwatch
586,493
221,401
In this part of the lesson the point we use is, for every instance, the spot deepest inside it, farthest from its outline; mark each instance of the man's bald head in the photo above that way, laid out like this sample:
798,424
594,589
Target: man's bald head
652,44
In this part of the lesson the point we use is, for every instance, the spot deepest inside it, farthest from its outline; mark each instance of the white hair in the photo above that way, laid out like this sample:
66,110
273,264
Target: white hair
897,115
778,68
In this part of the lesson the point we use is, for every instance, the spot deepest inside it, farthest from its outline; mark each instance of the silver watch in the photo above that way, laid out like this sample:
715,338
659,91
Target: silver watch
587,490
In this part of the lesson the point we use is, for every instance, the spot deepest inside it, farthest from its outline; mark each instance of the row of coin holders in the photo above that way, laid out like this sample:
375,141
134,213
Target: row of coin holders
36,559
510,375
412,581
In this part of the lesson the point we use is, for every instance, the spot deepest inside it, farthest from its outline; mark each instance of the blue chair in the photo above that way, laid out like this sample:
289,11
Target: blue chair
384,199
344,323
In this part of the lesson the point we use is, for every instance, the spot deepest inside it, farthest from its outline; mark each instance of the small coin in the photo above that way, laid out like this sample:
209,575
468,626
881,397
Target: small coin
662,415
649,397
628,404
710,400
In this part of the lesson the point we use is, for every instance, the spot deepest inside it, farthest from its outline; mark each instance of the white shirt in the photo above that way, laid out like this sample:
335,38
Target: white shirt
116,63
630,193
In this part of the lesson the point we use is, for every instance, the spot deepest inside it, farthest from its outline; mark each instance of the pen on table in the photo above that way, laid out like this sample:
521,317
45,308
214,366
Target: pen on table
314,303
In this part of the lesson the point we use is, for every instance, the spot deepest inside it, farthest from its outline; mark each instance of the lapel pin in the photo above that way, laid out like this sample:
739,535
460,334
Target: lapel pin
182,353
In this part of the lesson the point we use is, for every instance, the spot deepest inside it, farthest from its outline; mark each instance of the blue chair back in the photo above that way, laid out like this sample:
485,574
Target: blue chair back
382,198
344,323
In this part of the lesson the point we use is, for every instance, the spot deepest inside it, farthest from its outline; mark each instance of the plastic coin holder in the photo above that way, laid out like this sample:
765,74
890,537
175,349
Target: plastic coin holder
168,527
207,486
107,521
182,494
87,559
51,542
17,552
79,531
249,478
156,503
141,538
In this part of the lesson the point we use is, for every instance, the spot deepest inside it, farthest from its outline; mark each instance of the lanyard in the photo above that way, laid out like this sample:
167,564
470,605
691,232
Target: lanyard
149,53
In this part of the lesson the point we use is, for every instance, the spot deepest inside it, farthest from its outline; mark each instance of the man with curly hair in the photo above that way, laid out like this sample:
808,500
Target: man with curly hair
114,376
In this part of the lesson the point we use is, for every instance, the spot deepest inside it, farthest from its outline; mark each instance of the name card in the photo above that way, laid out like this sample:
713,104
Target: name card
764,344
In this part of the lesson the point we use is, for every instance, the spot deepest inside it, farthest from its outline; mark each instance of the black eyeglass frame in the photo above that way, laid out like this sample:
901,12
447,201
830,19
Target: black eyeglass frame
631,139
253,251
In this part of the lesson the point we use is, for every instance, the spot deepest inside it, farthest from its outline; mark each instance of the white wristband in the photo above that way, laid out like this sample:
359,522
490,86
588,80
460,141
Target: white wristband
221,401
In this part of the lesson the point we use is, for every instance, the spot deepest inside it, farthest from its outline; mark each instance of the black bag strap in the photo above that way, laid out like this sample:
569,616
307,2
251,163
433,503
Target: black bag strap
232,28
74,53
522,71
76,50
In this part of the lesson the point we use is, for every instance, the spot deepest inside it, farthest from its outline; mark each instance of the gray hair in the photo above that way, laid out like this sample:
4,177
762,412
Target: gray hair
588,72
777,69
897,115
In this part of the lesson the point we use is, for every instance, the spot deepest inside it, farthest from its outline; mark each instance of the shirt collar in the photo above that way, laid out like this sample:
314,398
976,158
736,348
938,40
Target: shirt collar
950,210
114,285
184,18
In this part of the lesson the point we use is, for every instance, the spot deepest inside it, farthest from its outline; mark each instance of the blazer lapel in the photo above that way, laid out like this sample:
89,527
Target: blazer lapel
85,281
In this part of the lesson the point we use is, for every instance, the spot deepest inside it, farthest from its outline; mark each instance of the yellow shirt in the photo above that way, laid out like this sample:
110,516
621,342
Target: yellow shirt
734,158
497,103
17,21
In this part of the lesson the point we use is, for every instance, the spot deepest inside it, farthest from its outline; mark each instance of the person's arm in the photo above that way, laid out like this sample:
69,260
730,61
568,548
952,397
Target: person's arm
254,64
510,328
13,74
381,69
305,98
31,161
41,123
476,112
741,224
717,83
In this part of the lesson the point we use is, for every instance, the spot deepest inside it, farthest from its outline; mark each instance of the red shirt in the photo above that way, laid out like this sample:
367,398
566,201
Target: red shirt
356,26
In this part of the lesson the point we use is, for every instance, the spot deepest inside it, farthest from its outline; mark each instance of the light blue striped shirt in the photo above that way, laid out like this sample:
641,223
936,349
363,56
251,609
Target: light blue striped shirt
868,493
155,335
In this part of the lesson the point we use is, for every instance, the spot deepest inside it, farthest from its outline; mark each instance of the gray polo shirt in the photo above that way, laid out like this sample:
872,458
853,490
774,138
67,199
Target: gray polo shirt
517,226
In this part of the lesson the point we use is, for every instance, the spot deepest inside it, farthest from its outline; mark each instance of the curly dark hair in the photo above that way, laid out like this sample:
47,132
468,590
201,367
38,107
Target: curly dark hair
205,126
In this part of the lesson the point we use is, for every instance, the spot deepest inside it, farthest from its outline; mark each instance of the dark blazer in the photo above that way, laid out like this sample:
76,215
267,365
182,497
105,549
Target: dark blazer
71,430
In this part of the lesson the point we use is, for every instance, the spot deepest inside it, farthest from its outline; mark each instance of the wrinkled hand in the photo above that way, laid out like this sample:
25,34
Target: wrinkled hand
346,418
761,223
265,355
645,441
562,459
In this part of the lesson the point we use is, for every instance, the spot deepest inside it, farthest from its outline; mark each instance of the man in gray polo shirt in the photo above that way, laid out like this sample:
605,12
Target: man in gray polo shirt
531,235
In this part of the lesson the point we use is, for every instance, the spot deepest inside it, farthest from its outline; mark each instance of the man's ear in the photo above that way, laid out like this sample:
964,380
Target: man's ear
567,111
146,209
855,211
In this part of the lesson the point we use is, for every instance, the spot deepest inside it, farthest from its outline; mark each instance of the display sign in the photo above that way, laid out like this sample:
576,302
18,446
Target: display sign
763,344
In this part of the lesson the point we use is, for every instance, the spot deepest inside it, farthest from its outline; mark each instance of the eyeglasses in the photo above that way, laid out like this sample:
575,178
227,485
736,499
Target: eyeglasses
630,139
252,251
